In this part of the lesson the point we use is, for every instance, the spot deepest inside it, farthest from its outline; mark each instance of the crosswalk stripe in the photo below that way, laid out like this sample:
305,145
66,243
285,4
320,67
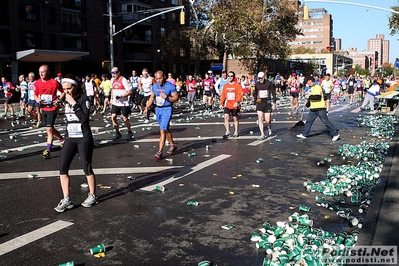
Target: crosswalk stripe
257,142
32,236
98,171
188,170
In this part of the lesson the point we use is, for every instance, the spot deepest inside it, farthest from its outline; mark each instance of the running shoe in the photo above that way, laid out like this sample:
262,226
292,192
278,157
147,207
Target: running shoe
235,135
227,134
65,204
46,154
90,200
301,136
262,137
158,155
116,136
269,131
172,149
336,137
130,135
146,121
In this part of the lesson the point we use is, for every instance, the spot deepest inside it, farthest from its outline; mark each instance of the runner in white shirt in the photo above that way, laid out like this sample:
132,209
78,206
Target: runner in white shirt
145,88
121,90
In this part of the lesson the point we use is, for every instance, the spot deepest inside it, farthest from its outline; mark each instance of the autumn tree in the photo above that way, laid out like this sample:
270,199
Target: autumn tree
255,31
393,21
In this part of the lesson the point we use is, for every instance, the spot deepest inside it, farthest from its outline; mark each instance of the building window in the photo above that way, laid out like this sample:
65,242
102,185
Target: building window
174,68
163,16
73,44
174,17
175,2
30,40
71,22
29,12
183,52
162,32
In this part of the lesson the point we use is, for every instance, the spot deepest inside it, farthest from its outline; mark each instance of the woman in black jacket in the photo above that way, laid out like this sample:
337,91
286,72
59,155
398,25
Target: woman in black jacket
78,137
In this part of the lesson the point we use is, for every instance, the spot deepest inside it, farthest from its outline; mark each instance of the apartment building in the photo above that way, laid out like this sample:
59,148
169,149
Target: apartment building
317,31
381,46
72,36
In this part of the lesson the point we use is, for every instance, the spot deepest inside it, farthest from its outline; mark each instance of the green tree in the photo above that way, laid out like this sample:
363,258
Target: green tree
252,31
256,31
393,21
303,50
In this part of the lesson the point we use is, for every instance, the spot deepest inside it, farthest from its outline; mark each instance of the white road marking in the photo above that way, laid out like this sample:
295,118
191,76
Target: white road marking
98,171
32,236
189,170
257,142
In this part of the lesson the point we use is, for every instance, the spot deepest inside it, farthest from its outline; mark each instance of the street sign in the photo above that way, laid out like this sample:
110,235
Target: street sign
217,67
397,63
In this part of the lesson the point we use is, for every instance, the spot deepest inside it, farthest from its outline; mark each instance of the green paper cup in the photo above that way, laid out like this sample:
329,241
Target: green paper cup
283,258
340,238
204,263
97,249
69,263
160,188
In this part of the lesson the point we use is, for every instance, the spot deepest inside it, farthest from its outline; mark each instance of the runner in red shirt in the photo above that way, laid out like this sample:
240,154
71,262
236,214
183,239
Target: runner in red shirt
46,96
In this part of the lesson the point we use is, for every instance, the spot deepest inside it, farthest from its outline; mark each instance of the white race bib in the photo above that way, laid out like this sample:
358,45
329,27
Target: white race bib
231,96
263,93
46,99
159,101
75,130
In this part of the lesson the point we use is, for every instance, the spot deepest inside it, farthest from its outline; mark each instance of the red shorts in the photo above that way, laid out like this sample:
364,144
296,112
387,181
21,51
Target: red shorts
245,90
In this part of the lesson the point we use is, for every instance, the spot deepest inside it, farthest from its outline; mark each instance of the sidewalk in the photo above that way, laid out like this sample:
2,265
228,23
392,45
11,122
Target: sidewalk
382,220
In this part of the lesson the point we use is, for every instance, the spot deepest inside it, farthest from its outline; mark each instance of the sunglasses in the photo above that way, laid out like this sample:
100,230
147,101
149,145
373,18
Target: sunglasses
230,76
114,72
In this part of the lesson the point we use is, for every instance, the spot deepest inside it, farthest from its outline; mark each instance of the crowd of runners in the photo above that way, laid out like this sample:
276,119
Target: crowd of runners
147,94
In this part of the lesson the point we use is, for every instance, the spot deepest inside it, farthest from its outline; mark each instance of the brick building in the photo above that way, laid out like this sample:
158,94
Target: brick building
72,36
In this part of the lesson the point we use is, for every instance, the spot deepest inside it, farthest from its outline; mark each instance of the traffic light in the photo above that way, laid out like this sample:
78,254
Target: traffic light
305,12
182,17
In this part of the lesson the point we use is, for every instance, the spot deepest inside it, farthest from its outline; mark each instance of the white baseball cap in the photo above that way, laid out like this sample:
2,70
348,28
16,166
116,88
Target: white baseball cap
261,74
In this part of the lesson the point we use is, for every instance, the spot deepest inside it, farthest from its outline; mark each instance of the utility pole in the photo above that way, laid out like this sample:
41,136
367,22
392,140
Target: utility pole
111,34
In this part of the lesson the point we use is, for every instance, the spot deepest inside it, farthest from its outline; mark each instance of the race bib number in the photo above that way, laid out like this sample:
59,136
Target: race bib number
159,101
231,96
351,83
46,99
75,130
263,94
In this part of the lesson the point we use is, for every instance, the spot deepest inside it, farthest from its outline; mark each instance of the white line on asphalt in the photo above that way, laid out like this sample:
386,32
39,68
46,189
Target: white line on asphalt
338,109
32,236
189,170
79,172
257,142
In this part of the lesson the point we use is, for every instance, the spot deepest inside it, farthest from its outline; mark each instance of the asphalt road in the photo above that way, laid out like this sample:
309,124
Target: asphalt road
142,226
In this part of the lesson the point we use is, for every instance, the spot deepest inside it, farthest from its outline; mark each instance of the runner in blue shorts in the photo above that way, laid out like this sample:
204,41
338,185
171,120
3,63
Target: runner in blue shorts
164,94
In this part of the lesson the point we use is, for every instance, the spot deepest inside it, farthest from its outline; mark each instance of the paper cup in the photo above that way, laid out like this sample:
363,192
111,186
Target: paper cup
97,249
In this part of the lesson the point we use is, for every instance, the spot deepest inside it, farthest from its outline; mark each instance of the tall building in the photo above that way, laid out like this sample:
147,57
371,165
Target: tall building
338,44
317,31
381,46
73,36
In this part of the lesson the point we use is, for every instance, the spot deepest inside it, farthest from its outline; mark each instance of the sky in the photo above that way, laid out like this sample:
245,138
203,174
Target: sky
355,25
